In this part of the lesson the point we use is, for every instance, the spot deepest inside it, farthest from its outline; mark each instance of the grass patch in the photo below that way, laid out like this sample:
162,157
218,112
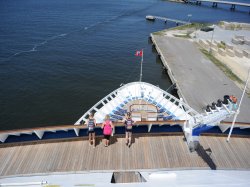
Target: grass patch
222,67
161,33
221,45
184,27
181,27
182,36
191,26
221,23
232,26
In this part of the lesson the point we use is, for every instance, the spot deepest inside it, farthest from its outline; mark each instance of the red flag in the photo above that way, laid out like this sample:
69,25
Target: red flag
139,53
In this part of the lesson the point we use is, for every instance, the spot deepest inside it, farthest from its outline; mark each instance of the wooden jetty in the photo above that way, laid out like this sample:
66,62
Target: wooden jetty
165,19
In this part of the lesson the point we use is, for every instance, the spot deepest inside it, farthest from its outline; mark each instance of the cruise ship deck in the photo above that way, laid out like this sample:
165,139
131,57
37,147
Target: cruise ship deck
161,151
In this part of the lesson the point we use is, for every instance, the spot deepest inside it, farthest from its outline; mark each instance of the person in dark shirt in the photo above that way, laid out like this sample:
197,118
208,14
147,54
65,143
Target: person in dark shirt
91,124
128,122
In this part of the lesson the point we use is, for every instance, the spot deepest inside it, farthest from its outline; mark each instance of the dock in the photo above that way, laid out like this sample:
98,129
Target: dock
148,152
165,19
198,80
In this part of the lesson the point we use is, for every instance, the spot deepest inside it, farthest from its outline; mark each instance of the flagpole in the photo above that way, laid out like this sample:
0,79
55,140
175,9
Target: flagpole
141,66
238,109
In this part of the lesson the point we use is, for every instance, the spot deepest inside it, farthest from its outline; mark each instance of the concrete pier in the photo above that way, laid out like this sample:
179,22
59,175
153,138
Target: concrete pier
198,80
165,19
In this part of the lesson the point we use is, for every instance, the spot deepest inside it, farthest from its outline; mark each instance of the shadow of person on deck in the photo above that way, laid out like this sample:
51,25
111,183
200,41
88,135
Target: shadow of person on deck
113,140
205,155
100,139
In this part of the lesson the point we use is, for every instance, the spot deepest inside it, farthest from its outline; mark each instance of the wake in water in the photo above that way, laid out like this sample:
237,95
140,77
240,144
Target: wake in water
118,17
34,48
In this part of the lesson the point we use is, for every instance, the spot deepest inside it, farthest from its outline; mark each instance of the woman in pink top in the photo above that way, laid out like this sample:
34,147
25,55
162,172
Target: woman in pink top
107,127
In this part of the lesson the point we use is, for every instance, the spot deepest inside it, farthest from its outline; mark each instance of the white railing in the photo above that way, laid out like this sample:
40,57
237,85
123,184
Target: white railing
39,131
144,91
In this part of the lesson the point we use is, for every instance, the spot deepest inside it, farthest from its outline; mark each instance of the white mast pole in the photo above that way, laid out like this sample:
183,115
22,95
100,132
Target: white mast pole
141,66
238,109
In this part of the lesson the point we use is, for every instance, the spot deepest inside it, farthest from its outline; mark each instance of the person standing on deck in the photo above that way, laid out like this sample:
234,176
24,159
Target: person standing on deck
234,101
107,127
128,122
91,124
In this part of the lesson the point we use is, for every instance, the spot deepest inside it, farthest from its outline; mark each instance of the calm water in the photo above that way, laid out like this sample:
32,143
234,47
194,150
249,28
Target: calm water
58,58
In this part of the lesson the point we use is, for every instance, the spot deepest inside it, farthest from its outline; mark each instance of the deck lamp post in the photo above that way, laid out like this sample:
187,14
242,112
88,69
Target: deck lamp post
189,17
238,109
211,40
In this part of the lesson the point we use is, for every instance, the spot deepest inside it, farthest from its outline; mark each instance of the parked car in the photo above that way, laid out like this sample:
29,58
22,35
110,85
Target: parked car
207,29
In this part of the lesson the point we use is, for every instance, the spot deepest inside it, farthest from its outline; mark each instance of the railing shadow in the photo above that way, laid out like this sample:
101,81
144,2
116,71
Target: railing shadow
205,155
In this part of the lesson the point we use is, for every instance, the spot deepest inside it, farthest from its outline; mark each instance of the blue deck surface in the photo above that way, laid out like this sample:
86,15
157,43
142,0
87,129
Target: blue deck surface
236,131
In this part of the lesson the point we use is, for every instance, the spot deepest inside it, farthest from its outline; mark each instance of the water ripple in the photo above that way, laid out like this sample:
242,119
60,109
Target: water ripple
35,46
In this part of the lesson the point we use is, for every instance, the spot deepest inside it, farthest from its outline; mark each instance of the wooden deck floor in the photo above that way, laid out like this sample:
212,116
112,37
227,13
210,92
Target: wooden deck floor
232,155
147,152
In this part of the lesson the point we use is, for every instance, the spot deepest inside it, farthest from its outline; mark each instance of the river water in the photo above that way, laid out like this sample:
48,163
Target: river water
58,58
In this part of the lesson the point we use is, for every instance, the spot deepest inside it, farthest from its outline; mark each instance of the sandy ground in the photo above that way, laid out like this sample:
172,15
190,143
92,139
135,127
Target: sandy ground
239,66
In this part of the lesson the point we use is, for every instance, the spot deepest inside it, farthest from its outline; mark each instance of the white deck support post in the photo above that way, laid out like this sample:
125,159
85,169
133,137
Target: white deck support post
3,137
113,131
210,46
191,140
39,134
149,127
188,130
77,131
